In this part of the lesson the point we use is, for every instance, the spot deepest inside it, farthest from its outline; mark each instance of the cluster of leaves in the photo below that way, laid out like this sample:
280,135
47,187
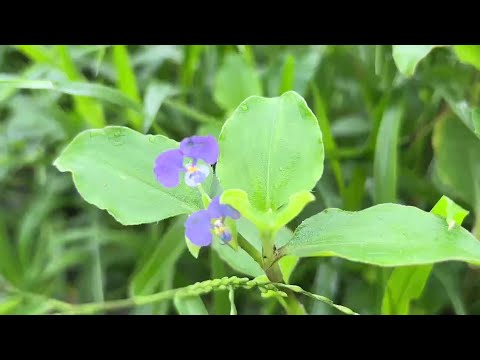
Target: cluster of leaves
399,125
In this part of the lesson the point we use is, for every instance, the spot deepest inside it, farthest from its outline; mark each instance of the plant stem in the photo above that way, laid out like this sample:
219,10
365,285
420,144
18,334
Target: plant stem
274,274
250,250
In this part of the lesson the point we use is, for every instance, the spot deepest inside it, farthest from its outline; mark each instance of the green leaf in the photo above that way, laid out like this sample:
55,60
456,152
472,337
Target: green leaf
10,305
149,277
239,260
288,76
384,235
404,285
457,151
407,283
271,221
449,210
155,94
37,53
91,111
469,115
112,169
286,159
236,80
468,54
192,305
407,57
386,158
193,249
95,91
287,265
126,81
10,267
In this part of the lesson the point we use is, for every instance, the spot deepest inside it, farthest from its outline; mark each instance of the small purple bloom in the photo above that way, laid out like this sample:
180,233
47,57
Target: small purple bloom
200,225
168,166
170,163
201,147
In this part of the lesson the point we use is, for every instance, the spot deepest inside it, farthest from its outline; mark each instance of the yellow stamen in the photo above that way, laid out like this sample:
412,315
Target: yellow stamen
192,169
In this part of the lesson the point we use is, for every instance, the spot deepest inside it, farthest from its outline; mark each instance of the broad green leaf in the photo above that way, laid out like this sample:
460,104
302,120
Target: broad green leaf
192,305
384,235
404,285
155,94
407,57
285,156
468,54
149,277
271,221
91,90
290,210
112,169
385,161
449,210
457,151
236,80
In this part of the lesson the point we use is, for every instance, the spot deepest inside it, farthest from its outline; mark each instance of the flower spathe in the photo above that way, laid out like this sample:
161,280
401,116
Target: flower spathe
201,225
170,163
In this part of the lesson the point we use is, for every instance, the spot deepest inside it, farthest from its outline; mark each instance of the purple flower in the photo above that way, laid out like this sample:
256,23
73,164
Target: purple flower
201,225
170,163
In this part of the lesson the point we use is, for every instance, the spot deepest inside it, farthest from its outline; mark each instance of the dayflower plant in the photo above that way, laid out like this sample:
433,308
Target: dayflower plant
201,224
170,163
271,159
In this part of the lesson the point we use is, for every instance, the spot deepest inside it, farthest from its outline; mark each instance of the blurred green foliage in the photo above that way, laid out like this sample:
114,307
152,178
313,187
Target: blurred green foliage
407,135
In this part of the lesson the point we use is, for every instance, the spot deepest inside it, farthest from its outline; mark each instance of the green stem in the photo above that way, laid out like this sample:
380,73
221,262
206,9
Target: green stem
250,250
274,274
200,288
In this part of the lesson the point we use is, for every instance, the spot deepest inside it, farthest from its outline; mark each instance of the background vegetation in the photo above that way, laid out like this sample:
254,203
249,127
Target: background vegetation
400,124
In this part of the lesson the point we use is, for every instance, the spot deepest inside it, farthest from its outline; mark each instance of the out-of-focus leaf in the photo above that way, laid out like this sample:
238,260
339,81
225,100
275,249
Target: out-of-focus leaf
385,161
457,151
407,57
154,95
236,80
468,54
149,276
192,305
